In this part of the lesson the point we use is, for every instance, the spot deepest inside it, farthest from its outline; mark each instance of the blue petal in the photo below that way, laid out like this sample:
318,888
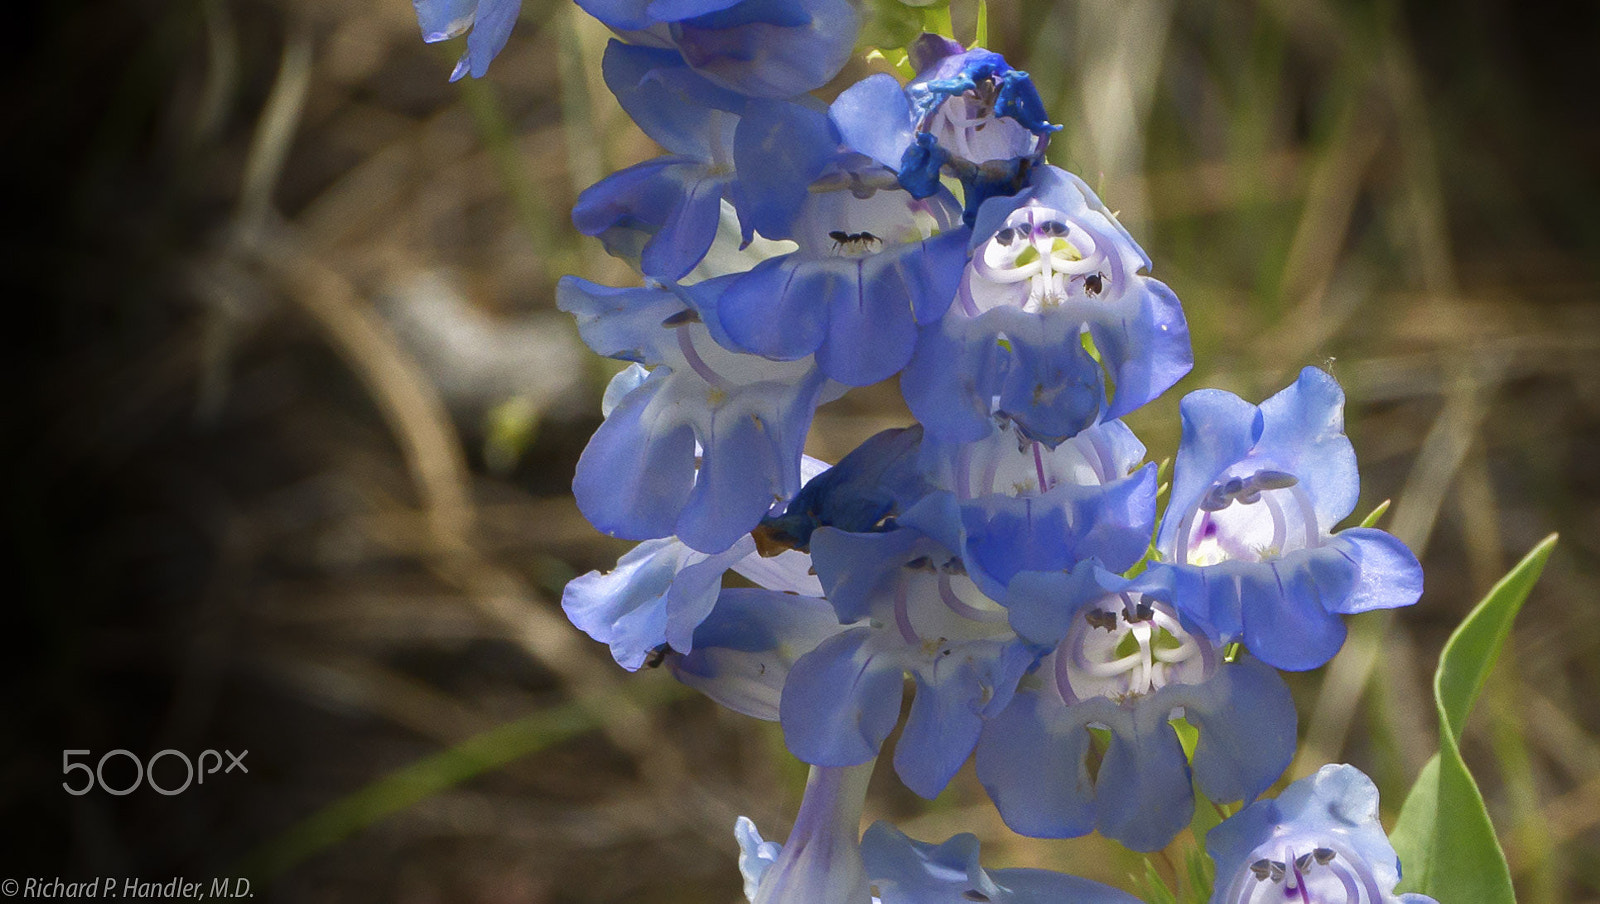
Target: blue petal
1043,605
1142,794
906,871
1287,609
489,34
774,309
625,608
771,48
1246,719
669,101
620,323
872,314
744,649
856,569
659,593
1038,886
441,20
1052,389
636,474
950,382
619,14
1389,576
874,482
1032,759
779,149
974,679
664,212
674,10
858,315
841,700
998,536
1149,355
1219,430
736,483
1304,435
874,118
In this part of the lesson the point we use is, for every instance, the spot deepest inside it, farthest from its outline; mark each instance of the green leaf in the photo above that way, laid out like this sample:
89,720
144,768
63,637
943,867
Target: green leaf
888,24
1446,843
1155,887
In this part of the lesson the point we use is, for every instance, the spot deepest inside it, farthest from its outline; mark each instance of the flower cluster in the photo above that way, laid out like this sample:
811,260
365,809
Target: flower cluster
994,561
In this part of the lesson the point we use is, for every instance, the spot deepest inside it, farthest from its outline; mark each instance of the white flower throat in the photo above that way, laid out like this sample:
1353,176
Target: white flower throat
1122,648
1038,261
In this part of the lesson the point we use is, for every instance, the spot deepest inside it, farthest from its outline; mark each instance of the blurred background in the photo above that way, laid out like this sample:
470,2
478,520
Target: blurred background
293,421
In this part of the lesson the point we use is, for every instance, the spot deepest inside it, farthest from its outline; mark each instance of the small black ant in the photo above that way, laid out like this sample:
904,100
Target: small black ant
1094,284
853,241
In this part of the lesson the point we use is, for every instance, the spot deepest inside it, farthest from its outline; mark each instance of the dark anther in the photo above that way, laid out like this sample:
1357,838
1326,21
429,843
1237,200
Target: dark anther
1273,480
1215,501
683,317
1144,610
1233,487
1098,619
1323,856
1303,862
972,894
954,566
1262,869
1053,228
1006,236
1278,868
1094,284
920,563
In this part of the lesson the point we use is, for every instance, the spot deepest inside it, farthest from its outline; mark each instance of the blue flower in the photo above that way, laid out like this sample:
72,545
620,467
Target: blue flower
1050,268
1126,661
662,590
1247,542
662,215
908,606
761,48
747,646
967,114
907,871
1320,840
821,860
706,444
490,22
872,264
1008,504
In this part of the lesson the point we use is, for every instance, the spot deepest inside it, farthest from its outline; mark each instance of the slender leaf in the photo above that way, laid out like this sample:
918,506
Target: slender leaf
1446,843
1372,518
